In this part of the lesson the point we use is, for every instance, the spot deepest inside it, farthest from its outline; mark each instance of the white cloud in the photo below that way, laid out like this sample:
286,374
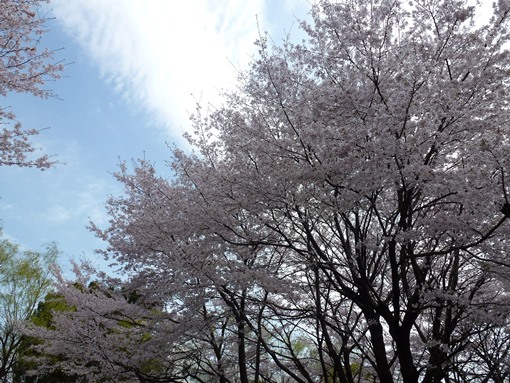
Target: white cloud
6,207
83,208
299,7
157,53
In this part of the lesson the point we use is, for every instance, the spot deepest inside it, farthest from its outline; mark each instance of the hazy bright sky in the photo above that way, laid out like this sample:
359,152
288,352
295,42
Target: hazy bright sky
137,68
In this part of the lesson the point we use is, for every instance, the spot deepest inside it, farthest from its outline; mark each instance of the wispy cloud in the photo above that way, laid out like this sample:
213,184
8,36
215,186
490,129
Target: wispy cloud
79,206
158,53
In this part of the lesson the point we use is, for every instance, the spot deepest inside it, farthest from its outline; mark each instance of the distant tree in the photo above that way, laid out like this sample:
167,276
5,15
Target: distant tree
24,281
24,68
88,332
43,317
346,215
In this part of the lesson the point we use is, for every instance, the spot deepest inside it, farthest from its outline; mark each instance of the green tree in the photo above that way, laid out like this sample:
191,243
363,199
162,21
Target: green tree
24,280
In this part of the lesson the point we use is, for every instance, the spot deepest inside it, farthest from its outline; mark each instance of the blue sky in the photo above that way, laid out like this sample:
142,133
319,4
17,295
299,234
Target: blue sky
136,68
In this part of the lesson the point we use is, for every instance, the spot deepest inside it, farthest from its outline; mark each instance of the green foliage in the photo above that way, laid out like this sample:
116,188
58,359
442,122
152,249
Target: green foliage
24,280
43,316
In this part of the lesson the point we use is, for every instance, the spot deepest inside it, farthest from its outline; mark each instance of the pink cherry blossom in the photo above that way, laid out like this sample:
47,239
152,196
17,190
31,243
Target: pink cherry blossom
344,217
24,68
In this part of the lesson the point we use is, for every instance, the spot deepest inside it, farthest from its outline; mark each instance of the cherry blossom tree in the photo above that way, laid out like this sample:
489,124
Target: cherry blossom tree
101,335
42,317
25,67
344,217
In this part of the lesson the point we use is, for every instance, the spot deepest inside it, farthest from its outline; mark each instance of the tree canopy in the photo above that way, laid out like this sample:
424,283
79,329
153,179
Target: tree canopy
343,218
25,67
